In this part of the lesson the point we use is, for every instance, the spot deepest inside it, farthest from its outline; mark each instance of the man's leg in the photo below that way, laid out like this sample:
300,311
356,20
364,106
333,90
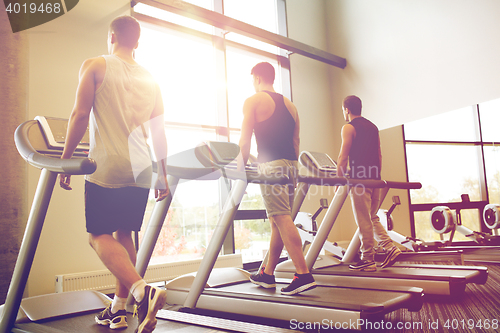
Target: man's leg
292,241
275,248
116,258
361,203
303,280
379,231
125,239
381,234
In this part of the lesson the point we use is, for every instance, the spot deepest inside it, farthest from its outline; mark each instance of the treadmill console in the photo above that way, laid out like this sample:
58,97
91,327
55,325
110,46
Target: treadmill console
54,131
223,154
321,161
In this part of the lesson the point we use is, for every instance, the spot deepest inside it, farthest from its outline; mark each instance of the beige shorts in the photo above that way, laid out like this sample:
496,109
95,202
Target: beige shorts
278,199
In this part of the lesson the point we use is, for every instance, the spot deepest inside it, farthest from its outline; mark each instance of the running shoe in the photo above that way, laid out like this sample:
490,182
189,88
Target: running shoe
391,257
262,279
113,320
154,299
364,266
300,283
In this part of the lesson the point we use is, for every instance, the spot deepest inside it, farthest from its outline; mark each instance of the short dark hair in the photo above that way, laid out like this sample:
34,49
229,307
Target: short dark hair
127,30
353,103
265,71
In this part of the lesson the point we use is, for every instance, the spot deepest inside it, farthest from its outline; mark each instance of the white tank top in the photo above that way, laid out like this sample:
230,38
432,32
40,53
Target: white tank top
118,125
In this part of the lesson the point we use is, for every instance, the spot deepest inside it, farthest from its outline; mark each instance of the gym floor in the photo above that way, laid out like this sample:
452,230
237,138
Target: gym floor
477,311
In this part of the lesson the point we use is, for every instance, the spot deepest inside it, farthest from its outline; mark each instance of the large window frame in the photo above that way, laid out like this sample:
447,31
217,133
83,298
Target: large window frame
222,129
484,190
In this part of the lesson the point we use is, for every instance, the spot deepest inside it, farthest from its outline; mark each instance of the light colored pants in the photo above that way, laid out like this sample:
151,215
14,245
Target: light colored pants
278,199
365,204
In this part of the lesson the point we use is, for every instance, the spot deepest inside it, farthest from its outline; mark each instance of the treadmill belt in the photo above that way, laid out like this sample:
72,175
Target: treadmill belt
220,323
86,324
403,272
373,301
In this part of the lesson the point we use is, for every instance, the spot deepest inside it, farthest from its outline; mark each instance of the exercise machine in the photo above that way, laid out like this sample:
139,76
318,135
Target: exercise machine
433,279
415,249
229,290
444,221
308,228
40,143
481,248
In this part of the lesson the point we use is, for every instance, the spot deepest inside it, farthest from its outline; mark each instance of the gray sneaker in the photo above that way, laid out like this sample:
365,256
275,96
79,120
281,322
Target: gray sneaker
300,283
154,299
364,266
391,257
262,279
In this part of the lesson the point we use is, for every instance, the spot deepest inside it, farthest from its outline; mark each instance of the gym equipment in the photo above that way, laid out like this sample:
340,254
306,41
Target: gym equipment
491,217
481,248
230,291
416,249
443,221
40,142
307,226
433,279
40,153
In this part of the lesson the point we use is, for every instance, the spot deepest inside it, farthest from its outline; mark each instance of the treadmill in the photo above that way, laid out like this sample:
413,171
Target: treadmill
433,279
228,290
40,142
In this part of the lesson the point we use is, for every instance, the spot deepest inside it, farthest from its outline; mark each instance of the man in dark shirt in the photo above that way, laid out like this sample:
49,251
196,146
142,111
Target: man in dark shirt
275,121
361,148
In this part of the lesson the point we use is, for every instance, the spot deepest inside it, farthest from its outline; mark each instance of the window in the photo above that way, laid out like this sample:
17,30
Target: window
446,172
452,126
452,154
204,83
489,113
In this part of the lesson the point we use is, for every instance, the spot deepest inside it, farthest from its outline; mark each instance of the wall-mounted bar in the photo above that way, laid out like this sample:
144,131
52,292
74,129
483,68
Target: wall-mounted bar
228,24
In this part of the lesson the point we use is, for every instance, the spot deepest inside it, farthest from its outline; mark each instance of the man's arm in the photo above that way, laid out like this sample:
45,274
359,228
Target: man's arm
296,134
159,138
79,119
247,127
380,157
296,137
348,134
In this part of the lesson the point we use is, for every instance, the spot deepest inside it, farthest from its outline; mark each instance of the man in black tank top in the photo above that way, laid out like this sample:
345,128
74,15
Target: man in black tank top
361,148
275,122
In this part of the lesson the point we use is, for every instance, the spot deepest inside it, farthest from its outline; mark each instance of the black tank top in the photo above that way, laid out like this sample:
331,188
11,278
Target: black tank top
364,158
274,135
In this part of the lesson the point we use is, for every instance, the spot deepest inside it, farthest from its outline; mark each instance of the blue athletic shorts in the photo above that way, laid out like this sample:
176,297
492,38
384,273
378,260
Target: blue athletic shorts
110,209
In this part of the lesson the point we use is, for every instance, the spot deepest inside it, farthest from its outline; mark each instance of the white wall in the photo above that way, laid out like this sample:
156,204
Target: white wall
415,58
57,50
312,94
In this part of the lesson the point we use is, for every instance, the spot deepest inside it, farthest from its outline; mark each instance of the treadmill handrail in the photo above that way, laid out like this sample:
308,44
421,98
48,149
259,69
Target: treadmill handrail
341,181
254,177
192,173
404,185
316,176
74,166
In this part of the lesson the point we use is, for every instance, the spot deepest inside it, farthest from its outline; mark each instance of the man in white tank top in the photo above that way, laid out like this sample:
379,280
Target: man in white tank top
121,102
